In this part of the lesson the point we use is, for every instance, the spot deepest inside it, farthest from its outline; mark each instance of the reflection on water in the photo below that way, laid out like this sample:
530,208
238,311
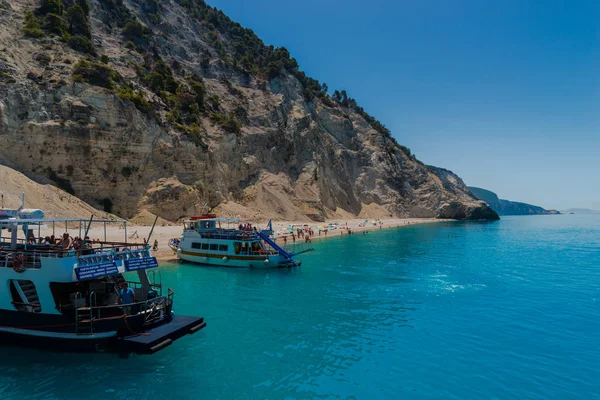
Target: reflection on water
449,310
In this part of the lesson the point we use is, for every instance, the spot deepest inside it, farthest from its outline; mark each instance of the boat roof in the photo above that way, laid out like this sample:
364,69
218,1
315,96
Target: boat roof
19,221
228,220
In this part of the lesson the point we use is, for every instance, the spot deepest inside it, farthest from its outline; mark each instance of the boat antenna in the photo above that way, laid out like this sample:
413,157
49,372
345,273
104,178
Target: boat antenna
151,230
87,229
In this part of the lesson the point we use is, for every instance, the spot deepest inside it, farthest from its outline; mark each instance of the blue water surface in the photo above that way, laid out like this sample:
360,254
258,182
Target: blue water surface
501,310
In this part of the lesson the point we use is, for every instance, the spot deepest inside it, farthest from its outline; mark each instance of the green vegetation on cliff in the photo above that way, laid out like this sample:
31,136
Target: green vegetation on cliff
186,98
254,57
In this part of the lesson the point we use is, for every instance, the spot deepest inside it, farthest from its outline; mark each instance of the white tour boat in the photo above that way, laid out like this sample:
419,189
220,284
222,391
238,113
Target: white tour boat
209,240
66,297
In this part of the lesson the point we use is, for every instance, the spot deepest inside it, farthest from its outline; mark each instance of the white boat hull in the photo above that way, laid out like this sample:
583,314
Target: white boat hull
245,261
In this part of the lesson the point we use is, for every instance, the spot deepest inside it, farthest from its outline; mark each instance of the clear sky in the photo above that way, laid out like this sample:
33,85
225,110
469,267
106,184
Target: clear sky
504,93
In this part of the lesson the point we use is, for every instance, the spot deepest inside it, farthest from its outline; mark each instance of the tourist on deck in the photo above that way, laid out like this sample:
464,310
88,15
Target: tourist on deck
66,243
126,297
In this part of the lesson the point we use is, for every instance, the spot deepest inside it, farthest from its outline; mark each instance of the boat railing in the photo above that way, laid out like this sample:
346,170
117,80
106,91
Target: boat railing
8,239
229,234
32,258
154,310
25,258
138,285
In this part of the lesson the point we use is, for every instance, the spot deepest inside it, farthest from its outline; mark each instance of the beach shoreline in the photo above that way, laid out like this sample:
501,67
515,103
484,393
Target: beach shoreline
163,234
115,232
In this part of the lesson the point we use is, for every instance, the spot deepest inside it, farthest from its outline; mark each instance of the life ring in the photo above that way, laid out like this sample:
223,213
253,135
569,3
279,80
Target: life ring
19,263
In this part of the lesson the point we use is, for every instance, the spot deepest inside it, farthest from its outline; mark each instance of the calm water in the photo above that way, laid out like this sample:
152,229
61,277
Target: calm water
455,310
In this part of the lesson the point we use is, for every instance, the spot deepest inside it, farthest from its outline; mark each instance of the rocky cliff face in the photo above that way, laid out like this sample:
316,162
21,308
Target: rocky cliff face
118,139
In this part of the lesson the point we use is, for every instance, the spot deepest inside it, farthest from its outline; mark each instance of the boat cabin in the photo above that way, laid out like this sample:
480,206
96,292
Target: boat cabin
58,276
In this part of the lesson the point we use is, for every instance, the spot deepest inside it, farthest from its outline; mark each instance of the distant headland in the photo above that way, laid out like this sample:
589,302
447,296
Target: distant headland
507,207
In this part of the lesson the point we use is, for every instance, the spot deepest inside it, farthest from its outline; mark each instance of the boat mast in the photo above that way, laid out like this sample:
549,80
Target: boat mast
151,230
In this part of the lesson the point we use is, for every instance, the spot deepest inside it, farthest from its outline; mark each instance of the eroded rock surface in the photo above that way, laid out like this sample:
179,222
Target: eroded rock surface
292,158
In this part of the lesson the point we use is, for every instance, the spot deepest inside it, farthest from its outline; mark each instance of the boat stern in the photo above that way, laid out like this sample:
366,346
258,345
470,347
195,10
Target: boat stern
160,336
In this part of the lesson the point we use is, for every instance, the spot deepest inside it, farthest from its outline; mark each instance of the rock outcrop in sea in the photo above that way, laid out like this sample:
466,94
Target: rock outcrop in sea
168,106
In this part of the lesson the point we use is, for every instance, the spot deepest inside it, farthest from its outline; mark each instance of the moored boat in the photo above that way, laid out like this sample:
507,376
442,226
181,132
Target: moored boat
66,296
209,240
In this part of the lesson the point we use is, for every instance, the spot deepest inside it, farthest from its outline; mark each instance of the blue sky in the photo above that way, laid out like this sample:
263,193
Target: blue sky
504,93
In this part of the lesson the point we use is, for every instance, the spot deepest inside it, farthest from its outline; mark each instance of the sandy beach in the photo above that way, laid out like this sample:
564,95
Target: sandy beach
137,233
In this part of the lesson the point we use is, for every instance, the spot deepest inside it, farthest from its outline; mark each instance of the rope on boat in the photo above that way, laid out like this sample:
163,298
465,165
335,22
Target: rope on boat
131,330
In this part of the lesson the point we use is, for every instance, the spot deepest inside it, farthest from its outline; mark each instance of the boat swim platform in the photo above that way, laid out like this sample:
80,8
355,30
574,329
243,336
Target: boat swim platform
161,336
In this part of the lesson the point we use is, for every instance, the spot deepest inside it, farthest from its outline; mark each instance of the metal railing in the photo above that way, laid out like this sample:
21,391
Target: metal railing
154,310
32,258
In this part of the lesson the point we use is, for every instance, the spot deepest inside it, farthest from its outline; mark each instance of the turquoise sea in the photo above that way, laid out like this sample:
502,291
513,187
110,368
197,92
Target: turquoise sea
457,310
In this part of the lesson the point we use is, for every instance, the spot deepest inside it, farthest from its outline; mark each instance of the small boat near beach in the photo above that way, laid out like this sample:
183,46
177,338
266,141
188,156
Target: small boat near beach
67,294
224,242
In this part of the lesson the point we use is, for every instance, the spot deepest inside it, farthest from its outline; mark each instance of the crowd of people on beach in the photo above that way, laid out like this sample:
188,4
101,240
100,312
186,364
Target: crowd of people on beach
301,233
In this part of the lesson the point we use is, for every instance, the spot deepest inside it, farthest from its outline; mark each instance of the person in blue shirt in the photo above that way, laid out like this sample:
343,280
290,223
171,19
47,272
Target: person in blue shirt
127,296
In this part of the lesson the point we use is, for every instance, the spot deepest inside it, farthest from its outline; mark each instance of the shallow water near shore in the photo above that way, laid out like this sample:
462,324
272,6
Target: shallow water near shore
509,309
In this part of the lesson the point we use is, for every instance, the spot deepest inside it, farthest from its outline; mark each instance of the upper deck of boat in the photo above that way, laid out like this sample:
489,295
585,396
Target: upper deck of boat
212,227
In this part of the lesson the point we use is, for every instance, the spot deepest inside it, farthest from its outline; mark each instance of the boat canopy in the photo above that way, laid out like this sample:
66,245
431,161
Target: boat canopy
44,221
226,220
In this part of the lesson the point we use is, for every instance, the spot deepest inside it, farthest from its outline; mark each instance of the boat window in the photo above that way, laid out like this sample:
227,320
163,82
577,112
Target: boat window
237,246
214,246
196,245
223,247
25,296
244,248
204,246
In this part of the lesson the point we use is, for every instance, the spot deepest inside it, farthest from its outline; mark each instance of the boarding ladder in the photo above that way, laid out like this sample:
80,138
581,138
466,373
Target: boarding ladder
84,316
280,250
29,295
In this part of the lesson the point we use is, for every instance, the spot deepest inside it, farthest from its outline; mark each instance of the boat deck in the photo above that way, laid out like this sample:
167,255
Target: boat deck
161,336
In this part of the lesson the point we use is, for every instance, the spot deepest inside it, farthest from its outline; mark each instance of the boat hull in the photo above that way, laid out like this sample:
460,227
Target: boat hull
58,341
114,335
272,261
